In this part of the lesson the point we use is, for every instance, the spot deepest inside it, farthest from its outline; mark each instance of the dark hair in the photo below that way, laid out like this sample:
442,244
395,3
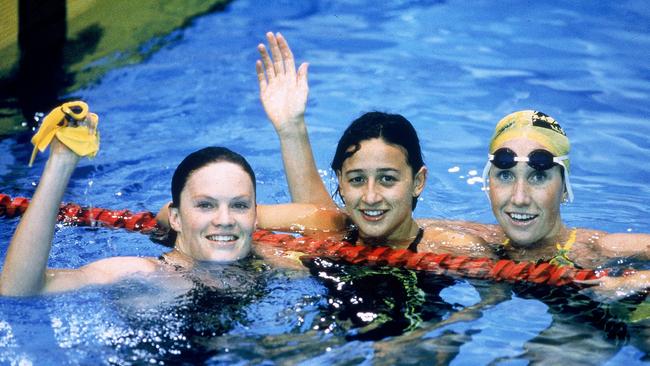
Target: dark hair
191,163
394,129
201,158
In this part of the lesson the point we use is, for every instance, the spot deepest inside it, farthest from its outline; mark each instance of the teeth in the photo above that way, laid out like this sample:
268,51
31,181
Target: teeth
222,237
373,212
521,216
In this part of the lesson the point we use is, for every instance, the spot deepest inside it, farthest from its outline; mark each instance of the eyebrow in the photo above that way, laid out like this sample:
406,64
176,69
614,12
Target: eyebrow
236,198
381,170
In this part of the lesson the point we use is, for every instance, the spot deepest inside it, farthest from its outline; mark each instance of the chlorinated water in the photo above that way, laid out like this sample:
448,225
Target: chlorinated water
453,69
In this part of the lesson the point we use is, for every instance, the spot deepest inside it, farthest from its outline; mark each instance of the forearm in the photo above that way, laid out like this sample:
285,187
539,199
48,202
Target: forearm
301,218
305,184
26,261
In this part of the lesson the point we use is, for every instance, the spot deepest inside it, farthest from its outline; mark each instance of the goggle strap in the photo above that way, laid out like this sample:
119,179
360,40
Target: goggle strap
567,181
560,159
486,171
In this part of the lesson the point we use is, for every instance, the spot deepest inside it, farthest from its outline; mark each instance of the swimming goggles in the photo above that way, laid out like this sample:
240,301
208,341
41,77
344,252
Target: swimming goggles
539,159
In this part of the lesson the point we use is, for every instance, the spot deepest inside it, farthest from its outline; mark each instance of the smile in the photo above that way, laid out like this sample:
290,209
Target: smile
373,215
521,217
222,238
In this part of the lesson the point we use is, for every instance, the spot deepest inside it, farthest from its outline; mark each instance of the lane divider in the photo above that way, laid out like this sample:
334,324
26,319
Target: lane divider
447,264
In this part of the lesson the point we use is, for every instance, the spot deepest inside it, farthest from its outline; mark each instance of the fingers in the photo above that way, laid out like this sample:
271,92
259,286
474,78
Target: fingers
266,61
287,56
92,119
278,64
597,281
260,75
301,78
302,73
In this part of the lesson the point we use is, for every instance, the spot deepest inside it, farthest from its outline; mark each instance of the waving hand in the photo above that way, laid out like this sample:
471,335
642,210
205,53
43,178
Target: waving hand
283,91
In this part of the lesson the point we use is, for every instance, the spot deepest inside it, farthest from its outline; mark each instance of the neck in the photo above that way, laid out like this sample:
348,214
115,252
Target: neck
542,248
400,238
178,258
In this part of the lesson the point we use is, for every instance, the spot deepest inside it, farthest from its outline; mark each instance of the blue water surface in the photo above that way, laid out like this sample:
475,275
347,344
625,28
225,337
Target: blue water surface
453,68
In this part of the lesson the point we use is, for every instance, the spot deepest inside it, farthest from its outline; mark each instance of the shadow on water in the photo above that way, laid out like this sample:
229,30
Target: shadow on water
60,46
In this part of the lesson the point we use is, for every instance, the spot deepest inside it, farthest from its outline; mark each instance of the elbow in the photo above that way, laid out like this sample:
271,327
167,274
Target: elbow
15,288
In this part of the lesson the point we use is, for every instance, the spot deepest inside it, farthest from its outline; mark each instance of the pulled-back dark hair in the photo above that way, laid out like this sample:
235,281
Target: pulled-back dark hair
201,158
394,129
192,163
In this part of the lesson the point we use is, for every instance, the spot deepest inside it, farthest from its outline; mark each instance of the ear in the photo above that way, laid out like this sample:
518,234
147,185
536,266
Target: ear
420,181
174,219
339,176
257,216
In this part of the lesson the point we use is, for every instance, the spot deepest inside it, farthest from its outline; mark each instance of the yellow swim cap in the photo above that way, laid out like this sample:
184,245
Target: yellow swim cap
533,125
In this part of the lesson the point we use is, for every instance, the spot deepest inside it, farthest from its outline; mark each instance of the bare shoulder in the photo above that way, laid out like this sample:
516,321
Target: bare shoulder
616,244
490,233
443,240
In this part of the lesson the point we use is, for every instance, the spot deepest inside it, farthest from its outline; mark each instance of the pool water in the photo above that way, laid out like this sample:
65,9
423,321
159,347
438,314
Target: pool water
452,68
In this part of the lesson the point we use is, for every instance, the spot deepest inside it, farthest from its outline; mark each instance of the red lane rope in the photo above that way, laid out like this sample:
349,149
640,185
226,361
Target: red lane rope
70,213
482,268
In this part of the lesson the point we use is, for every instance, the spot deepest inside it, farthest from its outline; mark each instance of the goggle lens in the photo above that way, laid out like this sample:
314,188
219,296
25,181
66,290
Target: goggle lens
505,158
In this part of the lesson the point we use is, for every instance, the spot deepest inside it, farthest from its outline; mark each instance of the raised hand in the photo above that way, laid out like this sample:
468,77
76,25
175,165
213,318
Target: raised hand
283,91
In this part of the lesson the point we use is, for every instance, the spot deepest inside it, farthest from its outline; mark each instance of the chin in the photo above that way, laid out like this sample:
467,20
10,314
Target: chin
372,232
232,257
522,240
227,256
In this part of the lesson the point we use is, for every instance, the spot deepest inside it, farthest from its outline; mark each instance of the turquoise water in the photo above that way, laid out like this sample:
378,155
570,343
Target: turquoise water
451,68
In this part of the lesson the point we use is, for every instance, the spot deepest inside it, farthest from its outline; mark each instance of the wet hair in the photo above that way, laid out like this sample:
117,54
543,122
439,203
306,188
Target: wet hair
192,163
201,158
394,129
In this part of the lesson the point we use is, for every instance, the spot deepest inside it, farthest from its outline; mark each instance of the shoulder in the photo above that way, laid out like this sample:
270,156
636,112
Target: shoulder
489,233
616,244
443,240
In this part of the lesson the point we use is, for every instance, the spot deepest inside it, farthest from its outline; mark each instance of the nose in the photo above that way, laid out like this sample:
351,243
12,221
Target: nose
223,217
371,194
520,193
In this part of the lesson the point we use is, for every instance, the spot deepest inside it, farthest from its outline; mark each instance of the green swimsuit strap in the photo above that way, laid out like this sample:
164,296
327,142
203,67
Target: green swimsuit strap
561,258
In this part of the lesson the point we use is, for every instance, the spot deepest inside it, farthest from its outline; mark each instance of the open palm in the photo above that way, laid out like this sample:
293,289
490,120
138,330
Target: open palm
283,91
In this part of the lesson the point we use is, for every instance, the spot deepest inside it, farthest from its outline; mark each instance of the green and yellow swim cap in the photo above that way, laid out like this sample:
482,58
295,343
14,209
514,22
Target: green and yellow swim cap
533,125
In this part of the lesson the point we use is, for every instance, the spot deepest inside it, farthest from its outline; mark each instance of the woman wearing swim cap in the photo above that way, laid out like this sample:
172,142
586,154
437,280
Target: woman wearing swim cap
213,213
528,177
525,196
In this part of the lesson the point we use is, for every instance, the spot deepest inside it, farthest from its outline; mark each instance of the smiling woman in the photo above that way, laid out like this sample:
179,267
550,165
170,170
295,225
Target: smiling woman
378,163
381,173
528,178
379,180
213,218
213,214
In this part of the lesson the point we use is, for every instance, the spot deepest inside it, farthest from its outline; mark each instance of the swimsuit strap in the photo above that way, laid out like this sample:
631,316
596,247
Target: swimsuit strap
353,235
561,258
164,261
418,238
